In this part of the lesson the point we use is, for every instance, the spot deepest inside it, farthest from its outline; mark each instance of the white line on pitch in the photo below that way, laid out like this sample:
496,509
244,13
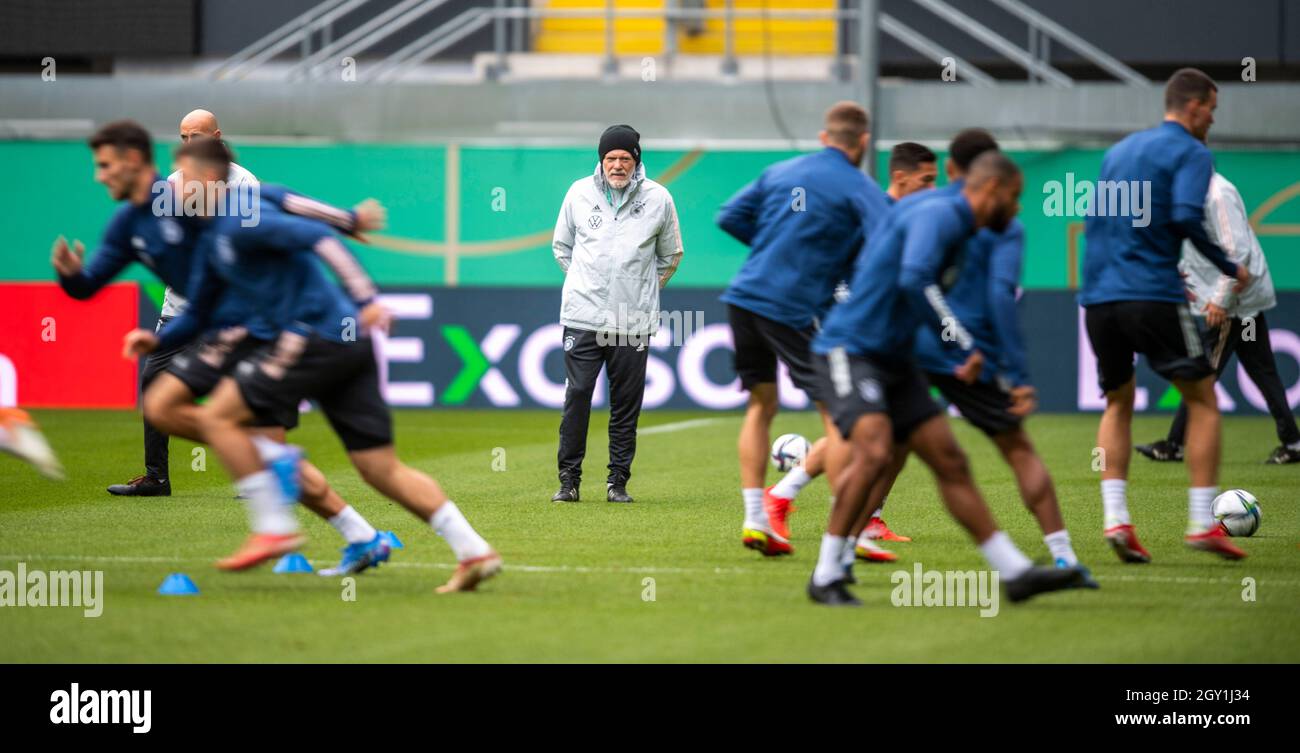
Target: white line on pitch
584,569
419,565
676,426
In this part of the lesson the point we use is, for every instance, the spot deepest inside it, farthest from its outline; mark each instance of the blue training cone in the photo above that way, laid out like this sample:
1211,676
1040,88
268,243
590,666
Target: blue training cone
293,563
178,584
391,538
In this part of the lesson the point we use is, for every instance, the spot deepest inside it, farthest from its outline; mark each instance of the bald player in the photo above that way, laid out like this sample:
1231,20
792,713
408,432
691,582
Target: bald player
156,480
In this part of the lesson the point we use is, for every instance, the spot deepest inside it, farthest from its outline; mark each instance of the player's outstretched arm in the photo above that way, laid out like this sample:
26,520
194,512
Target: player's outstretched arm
138,342
203,293
368,216
81,281
67,262
739,216
289,234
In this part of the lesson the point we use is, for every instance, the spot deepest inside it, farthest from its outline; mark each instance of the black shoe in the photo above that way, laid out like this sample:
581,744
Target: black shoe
617,493
568,493
833,594
849,578
1283,455
1162,450
1038,580
142,486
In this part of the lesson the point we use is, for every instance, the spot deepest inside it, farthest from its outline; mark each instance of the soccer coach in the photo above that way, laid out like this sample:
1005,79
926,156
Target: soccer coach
618,242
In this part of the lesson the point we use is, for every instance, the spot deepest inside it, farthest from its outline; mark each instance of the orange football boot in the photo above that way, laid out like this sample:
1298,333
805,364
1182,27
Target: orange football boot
878,530
472,572
869,552
1123,539
765,542
778,510
1215,540
260,547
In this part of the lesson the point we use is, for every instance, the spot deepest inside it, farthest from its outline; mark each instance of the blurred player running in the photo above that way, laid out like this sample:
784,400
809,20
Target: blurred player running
20,437
804,220
983,299
156,479
323,352
912,168
877,396
142,230
1134,302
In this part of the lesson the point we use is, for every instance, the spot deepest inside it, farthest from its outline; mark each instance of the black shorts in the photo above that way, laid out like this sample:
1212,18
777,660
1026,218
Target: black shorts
759,342
985,404
343,378
1162,331
204,363
857,385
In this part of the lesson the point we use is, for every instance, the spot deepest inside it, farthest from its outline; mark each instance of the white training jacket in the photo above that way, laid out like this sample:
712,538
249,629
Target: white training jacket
1228,225
173,303
616,258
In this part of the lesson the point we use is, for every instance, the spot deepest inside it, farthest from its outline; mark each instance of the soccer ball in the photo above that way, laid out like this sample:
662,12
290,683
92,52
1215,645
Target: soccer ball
1238,512
788,451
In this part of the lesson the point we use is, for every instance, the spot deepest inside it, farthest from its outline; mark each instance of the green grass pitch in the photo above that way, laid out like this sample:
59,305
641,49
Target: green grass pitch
575,578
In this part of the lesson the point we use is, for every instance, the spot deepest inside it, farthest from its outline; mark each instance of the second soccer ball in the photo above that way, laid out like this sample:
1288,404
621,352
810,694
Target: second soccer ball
1238,512
788,451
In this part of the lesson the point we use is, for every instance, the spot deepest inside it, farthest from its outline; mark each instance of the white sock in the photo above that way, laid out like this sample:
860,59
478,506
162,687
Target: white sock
829,565
268,510
755,517
1058,543
863,538
268,449
352,527
1003,556
1293,446
464,541
1200,500
793,482
1114,502
876,514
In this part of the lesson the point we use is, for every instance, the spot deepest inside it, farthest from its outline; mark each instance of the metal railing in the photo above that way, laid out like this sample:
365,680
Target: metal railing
296,31
364,37
510,17
1042,29
395,65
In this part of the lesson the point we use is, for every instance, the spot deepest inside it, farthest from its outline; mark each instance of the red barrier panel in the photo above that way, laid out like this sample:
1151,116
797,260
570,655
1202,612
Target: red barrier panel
57,352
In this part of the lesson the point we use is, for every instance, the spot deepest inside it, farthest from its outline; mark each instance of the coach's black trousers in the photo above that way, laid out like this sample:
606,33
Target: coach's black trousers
1257,357
624,361
155,442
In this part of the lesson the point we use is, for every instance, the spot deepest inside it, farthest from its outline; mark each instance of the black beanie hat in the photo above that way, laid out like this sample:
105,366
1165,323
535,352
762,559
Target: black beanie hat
620,137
